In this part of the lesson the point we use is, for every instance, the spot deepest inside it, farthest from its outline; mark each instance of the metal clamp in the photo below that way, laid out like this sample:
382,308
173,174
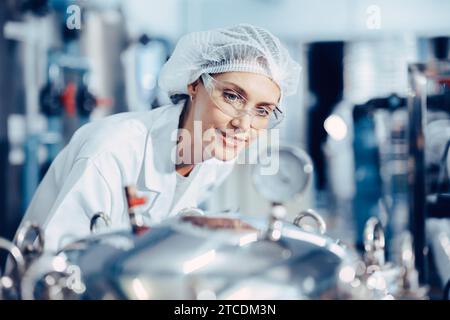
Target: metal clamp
94,219
31,247
321,225
374,242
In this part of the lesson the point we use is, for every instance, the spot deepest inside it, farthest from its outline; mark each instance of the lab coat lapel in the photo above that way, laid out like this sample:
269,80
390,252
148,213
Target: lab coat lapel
206,175
158,167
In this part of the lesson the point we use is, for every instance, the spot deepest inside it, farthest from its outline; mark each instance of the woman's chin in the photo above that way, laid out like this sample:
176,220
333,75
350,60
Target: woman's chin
224,153
228,158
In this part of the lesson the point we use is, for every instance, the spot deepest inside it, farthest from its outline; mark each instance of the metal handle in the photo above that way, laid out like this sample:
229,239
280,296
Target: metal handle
15,253
191,211
374,242
8,282
52,278
30,248
321,225
94,219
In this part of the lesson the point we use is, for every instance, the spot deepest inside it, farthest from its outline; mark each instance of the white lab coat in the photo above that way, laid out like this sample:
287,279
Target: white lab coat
90,173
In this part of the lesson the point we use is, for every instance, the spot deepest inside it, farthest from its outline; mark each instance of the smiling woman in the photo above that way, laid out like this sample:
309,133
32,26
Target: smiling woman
236,79
233,82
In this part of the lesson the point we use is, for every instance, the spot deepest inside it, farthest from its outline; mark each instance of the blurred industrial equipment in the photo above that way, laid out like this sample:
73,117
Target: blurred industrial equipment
192,256
74,74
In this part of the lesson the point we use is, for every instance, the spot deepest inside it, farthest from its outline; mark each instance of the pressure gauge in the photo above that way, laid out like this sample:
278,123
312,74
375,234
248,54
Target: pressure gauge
282,173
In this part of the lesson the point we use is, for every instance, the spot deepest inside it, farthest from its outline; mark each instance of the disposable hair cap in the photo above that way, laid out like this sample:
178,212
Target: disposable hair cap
244,48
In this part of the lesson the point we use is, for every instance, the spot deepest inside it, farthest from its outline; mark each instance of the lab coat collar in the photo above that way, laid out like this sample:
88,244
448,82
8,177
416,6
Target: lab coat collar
158,165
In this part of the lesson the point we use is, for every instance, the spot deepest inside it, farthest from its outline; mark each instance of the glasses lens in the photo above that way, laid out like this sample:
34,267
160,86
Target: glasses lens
226,99
266,118
234,105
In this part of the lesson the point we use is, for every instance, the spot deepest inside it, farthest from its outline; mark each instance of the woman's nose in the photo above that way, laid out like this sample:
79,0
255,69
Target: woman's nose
243,122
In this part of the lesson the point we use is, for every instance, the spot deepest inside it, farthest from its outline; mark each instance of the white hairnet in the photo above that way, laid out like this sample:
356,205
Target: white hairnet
244,48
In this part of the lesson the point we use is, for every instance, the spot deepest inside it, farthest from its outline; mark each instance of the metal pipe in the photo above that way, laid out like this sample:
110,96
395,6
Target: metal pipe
417,101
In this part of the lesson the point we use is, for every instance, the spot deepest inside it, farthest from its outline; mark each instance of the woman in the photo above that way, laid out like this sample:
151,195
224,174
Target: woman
226,85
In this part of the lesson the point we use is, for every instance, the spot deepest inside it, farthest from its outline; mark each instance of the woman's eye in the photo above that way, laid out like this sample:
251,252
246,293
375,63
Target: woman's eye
232,97
263,112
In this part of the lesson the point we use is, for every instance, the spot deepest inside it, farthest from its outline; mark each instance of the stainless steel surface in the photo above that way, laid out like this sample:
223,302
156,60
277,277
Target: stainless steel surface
221,256
226,256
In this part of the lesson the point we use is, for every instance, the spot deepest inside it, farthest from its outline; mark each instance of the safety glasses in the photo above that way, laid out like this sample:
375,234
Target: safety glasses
233,104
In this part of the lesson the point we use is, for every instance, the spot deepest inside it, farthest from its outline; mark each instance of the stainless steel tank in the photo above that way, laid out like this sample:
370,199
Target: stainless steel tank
215,257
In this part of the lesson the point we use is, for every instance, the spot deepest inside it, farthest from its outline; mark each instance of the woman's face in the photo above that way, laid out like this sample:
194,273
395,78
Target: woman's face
224,135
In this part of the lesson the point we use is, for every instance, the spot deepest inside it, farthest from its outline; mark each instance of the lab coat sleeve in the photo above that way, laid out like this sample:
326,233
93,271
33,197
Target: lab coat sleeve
84,193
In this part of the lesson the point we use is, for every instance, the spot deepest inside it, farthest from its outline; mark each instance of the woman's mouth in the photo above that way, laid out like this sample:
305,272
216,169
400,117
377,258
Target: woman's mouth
230,141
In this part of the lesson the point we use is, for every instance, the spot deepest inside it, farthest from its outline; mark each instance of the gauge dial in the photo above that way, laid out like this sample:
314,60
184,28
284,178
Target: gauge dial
282,173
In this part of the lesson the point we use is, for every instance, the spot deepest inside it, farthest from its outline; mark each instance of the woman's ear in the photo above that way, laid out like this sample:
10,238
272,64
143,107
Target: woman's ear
192,88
